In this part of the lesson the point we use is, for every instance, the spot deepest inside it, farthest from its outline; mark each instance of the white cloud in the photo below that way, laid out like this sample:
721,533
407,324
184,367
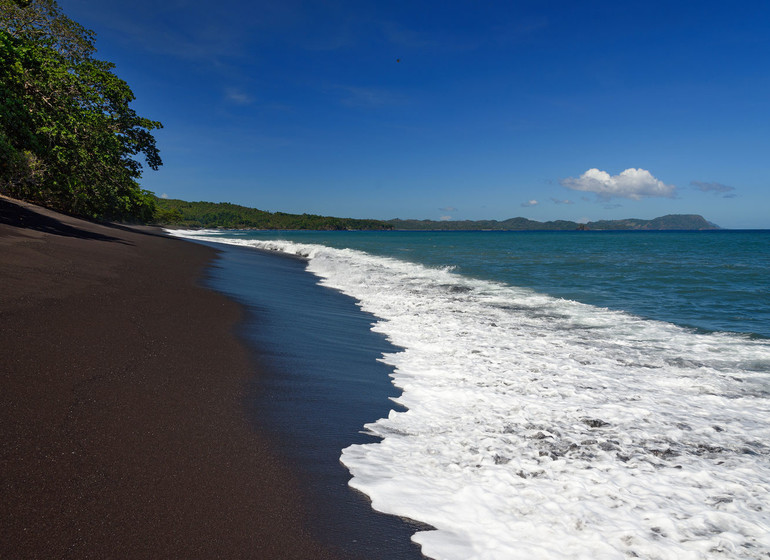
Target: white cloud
631,183
238,97
530,203
560,201
164,195
717,188
445,218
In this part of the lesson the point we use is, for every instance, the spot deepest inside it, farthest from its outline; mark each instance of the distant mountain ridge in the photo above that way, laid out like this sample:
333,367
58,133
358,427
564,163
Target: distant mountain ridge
670,222
175,212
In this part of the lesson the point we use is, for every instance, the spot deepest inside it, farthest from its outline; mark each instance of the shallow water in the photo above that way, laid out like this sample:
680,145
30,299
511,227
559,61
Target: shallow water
319,383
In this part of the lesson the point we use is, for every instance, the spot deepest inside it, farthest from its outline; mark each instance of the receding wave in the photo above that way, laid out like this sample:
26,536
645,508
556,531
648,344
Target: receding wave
538,427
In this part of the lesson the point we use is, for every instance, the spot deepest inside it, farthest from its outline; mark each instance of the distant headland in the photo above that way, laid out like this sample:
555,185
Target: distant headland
180,213
669,222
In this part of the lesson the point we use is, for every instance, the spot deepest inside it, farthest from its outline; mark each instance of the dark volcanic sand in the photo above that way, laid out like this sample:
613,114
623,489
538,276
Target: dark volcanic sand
122,427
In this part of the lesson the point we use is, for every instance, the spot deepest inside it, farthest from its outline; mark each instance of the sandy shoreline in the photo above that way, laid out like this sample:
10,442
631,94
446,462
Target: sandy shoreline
122,430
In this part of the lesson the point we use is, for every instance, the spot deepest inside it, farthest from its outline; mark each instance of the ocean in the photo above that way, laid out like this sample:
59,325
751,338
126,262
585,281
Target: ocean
528,394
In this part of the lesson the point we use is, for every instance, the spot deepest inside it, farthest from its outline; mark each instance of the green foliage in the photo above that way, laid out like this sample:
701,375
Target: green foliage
225,215
175,212
671,222
68,136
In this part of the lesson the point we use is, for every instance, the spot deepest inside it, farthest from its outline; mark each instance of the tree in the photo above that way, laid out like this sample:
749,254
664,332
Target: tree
68,136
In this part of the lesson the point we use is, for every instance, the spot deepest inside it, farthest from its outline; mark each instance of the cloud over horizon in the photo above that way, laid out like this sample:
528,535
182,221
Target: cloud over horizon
632,183
529,203
713,187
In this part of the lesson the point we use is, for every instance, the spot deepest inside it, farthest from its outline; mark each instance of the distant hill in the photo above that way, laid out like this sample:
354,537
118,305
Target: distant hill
670,222
174,212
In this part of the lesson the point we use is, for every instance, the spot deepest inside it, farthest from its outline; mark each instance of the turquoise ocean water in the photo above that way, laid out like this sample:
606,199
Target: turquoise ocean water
717,280
561,394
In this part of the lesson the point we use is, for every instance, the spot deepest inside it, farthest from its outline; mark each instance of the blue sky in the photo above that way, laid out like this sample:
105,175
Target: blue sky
468,110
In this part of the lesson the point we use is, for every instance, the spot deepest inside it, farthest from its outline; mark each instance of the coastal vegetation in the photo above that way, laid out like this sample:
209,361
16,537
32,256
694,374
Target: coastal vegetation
224,215
174,212
68,135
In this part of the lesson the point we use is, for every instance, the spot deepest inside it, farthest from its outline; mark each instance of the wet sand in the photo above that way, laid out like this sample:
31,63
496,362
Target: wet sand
123,431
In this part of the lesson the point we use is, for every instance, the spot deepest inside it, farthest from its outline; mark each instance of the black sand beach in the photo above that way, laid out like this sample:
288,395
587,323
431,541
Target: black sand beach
122,430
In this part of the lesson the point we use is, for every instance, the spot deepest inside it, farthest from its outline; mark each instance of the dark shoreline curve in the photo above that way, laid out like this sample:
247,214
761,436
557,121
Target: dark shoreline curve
122,426
321,381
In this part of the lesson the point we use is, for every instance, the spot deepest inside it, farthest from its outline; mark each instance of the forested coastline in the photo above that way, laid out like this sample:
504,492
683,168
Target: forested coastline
225,215
69,139
180,213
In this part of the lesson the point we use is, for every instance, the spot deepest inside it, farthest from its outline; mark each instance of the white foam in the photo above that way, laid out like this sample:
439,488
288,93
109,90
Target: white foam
543,428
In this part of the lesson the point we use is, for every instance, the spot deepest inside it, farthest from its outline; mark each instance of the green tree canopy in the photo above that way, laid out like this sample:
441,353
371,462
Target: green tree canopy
68,136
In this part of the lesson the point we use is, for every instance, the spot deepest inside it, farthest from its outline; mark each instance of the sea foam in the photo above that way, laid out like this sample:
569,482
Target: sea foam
538,427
